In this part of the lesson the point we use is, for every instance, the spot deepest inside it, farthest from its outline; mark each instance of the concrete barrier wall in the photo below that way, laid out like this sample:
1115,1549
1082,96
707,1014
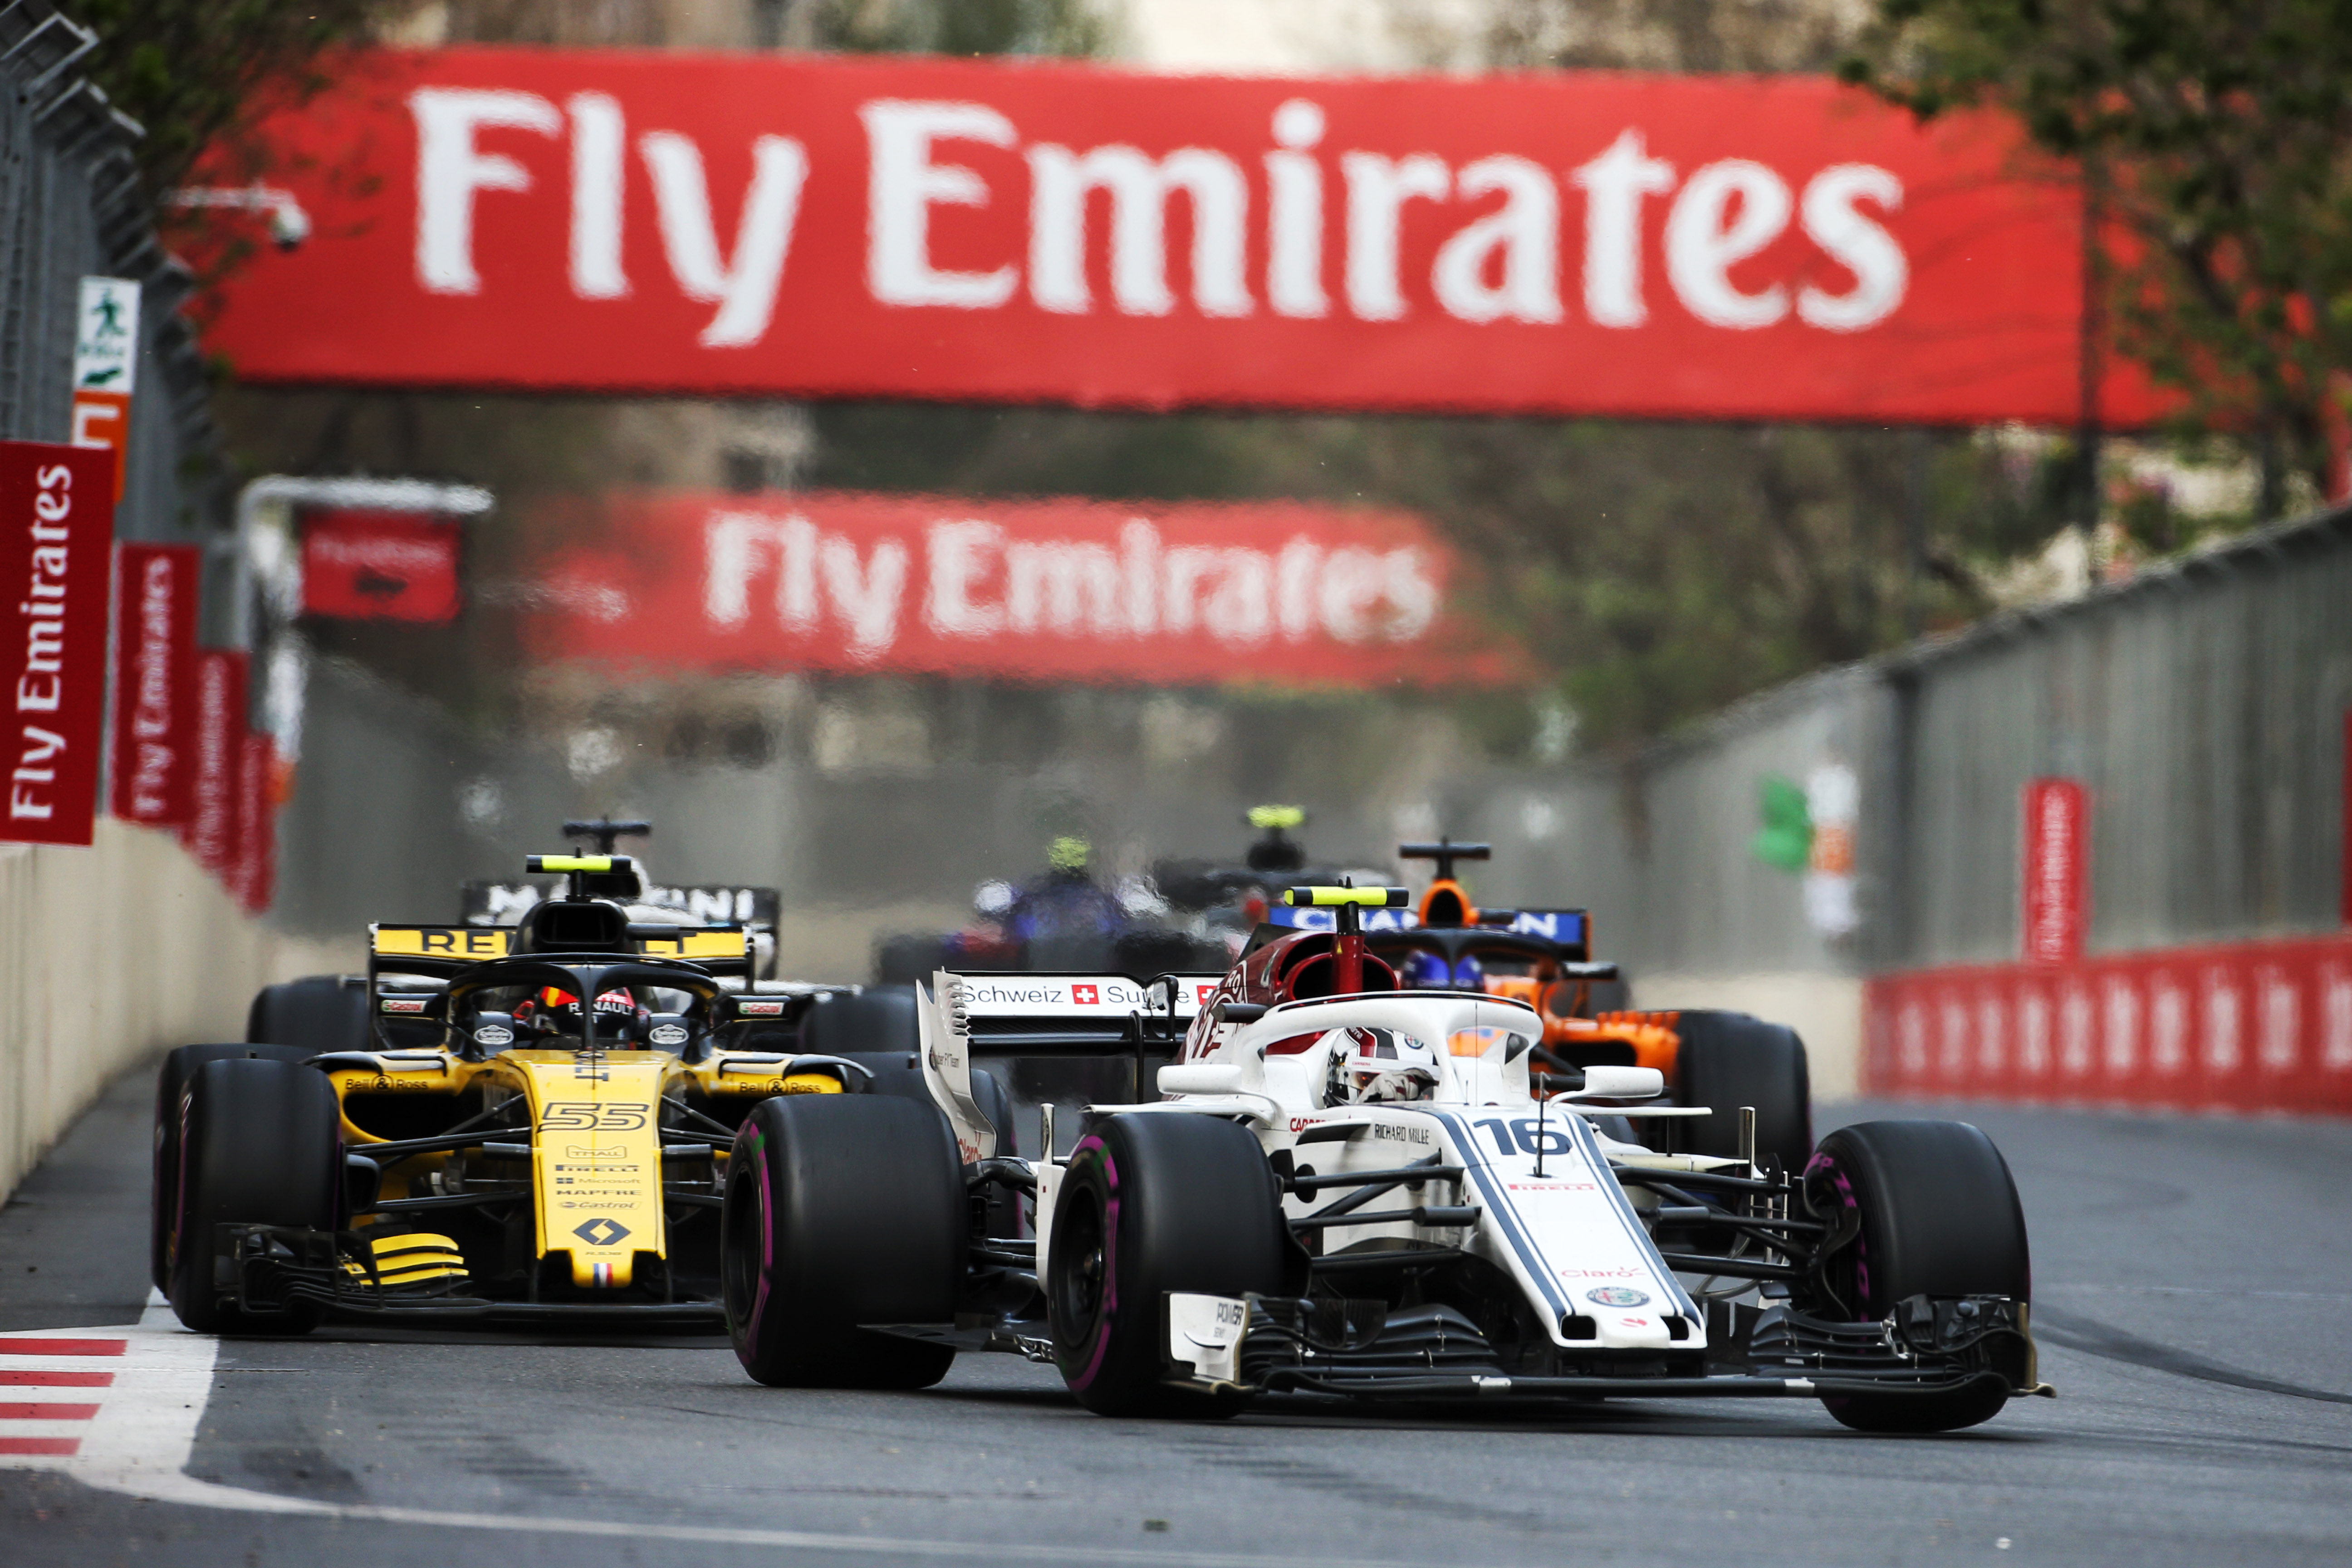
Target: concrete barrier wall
107,955
2248,1027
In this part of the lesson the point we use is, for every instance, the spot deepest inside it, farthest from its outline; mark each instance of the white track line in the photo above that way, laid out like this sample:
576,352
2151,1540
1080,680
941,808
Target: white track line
139,1441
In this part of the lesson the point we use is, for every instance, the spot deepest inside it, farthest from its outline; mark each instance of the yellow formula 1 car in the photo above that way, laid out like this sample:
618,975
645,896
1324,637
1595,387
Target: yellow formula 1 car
539,1129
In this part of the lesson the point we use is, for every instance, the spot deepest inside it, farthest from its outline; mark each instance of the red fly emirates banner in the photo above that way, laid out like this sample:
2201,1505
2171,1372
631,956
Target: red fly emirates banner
57,529
154,771
213,833
1721,247
1046,590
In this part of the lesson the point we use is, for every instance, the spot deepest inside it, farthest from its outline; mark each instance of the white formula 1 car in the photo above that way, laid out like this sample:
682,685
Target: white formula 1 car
1349,1189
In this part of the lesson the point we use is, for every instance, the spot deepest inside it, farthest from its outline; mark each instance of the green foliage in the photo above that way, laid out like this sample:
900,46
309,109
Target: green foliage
960,27
1786,839
199,73
2219,133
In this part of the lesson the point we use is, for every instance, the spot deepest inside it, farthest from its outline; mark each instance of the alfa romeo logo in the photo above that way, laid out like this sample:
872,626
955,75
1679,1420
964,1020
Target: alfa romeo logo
609,1232
1617,1296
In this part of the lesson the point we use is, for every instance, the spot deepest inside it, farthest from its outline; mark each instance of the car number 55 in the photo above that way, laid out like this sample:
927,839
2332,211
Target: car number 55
588,1115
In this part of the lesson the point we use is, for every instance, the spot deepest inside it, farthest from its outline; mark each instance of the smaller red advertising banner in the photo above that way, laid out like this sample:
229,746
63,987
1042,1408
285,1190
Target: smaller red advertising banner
101,421
253,878
2344,883
56,527
2258,1025
1035,590
2057,870
379,566
154,757
212,833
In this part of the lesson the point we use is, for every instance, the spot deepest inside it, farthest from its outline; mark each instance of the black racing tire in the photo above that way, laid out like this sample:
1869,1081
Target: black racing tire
163,1187
320,1012
878,1018
1152,1203
1939,1216
841,1210
1726,1061
261,1143
897,1073
907,959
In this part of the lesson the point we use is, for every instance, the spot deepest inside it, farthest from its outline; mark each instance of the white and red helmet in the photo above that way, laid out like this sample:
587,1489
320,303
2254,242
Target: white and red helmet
620,1016
1376,1067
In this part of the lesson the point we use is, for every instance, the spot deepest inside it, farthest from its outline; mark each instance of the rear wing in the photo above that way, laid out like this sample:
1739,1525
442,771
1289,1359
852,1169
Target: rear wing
1568,929
961,1016
443,951
501,904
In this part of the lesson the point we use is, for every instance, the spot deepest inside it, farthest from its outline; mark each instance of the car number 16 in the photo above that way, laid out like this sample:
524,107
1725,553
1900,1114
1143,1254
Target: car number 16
1524,1136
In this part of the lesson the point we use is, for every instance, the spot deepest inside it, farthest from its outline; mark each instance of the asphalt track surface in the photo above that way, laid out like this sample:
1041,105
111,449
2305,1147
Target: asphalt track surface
2193,1298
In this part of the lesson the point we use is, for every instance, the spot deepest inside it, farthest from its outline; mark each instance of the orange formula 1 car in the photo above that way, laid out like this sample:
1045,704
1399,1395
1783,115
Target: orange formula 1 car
1544,958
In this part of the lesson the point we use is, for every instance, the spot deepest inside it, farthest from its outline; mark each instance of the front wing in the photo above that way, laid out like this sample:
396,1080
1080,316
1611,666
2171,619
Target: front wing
276,1268
1361,1349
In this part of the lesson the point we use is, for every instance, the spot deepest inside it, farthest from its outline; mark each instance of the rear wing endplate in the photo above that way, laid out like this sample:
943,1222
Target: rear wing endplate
963,1016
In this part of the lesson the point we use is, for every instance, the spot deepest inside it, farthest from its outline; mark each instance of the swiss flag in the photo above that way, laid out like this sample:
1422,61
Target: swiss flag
1087,996
380,566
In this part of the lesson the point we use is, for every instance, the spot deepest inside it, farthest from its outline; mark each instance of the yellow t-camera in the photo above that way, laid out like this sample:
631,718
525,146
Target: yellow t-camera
540,863
1338,898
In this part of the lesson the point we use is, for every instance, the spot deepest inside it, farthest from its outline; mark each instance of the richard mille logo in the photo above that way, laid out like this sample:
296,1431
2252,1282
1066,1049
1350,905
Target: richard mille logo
601,1232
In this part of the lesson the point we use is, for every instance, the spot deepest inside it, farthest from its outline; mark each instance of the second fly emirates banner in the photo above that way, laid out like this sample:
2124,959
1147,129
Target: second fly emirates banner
1035,590
1717,247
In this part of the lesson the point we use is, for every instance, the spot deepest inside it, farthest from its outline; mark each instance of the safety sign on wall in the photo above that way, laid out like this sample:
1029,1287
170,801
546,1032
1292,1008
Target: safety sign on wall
106,368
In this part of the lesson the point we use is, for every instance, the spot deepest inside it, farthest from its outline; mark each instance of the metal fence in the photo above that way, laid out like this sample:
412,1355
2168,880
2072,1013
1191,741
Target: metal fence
72,205
2203,704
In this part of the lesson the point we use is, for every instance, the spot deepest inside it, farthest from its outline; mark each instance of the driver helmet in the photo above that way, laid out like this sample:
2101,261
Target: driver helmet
1380,1066
621,1018
1426,971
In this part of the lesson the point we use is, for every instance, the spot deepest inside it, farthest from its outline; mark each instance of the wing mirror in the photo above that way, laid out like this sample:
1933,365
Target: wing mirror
1240,1012
1620,1083
491,1032
1201,1078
